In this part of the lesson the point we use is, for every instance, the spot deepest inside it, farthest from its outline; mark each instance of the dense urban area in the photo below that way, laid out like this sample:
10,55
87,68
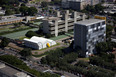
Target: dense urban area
57,38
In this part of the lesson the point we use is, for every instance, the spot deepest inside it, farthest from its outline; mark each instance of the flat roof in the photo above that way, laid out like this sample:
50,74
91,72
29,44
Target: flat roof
89,21
36,39
9,71
11,19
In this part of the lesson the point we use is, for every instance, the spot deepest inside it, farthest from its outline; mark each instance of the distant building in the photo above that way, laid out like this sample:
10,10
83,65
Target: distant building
78,4
62,23
7,71
111,9
5,20
38,42
89,32
110,0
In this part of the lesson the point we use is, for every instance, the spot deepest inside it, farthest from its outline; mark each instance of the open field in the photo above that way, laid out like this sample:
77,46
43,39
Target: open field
17,35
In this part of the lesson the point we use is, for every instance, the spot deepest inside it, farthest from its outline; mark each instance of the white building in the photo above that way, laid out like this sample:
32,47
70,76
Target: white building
38,42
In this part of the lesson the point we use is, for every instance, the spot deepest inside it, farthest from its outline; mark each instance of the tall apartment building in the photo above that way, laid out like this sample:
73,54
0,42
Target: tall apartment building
61,23
78,4
89,32
7,71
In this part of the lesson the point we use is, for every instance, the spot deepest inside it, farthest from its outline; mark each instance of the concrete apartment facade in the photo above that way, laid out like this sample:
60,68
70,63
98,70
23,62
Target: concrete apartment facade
87,33
61,23
78,4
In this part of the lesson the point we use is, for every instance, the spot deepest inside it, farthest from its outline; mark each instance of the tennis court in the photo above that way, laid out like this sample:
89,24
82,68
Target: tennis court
17,35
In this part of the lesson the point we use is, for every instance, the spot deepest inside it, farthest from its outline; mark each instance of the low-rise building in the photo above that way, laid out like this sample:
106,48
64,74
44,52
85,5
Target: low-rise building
88,33
38,42
7,71
4,20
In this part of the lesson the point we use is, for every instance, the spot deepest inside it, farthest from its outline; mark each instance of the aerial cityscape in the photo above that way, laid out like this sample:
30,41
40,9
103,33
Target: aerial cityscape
57,38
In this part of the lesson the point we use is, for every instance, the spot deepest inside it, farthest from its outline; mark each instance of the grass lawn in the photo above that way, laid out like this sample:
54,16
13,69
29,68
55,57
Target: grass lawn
62,36
84,59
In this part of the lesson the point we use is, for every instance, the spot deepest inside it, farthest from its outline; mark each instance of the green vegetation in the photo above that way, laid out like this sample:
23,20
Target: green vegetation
19,64
46,53
105,46
108,31
93,9
102,63
64,60
9,12
10,6
4,42
13,30
30,34
8,2
26,52
28,10
18,34
44,4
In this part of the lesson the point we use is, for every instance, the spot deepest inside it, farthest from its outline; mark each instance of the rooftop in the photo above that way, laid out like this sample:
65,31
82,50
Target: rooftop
89,22
36,39
11,19
8,71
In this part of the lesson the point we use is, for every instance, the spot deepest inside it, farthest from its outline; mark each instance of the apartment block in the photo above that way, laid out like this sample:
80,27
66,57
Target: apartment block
62,23
87,33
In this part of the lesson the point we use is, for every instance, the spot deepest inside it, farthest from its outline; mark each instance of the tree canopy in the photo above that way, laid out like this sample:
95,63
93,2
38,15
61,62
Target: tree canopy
30,34
8,2
4,42
8,12
28,10
25,52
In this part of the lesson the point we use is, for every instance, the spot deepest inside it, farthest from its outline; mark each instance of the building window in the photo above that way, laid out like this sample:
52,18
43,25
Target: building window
103,23
98,24
92,26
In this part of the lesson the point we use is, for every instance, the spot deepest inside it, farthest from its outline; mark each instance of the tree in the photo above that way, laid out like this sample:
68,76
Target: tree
8,12
48,35
25,52
23,10
108,30
30,34
4,42
23,4
104,47
8,2
32,11
17,11
44,4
